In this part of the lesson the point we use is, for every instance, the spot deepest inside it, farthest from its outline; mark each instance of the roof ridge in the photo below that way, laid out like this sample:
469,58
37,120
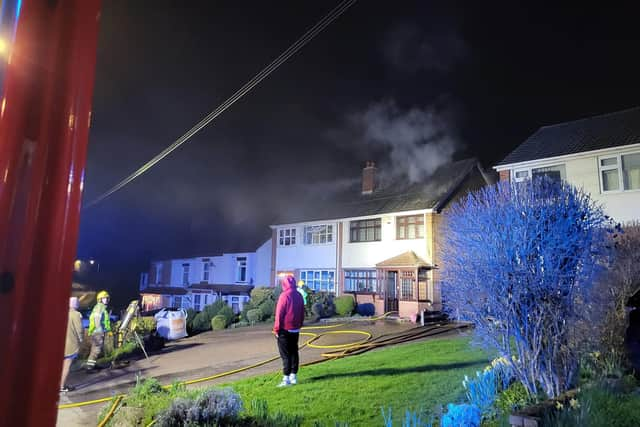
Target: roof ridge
595,116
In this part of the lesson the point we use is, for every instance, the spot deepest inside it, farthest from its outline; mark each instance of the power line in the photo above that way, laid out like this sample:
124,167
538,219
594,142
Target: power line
283,57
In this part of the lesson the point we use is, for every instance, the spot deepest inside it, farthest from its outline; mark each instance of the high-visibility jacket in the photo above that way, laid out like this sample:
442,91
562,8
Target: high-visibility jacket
99,310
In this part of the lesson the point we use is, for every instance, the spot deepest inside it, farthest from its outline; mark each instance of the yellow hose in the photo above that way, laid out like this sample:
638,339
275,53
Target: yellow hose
111,411
309,343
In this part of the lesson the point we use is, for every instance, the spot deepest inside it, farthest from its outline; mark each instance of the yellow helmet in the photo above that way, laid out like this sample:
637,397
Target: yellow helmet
300,283
102,294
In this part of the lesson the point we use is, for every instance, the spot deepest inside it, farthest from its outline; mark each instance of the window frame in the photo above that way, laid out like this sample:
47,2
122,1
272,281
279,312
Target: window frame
420,226
617,167
206,270
159,268
311,283
529,171
309,234
354,276
186,272
241,267
355,225
282,236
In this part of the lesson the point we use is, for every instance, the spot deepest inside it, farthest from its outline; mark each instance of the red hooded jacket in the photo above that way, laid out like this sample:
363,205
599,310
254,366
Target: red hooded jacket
290,308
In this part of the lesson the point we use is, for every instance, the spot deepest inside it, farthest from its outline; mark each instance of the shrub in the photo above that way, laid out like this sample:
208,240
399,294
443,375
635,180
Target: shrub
245,309
325,300
254,316
521,260
268,309
201,322
513,398
191,314
218,322
259,295
212,309
176,414
227,313
366,309
213,407
344,305
317,311
482,391
461,415
145,325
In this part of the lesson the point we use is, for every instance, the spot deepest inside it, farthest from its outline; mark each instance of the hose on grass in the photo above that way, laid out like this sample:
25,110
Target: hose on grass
340,350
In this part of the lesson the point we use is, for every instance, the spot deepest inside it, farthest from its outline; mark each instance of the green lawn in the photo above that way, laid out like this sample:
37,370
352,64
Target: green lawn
415,376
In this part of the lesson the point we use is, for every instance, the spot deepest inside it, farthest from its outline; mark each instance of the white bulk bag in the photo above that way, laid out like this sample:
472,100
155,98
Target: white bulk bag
171,325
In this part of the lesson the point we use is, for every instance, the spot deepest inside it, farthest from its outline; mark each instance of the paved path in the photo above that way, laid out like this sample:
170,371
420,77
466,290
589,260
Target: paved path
203,355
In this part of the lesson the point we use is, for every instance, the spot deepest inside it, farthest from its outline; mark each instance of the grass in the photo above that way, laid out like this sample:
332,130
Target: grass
417,376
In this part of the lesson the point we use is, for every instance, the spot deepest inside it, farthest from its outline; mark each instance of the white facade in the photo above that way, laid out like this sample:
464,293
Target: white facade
368,254
263,264
327,259
194,274
318,255
611,176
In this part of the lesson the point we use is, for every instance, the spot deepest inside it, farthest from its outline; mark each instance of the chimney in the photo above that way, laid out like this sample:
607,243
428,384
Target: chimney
369,178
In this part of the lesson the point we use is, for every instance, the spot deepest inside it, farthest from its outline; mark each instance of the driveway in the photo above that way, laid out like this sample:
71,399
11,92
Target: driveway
204,355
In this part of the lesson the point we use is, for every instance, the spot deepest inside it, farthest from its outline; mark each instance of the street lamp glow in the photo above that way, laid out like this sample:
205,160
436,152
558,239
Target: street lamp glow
91,262
4,47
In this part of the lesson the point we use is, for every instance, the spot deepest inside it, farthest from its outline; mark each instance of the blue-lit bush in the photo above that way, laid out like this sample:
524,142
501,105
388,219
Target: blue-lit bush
461,416
482,390
411,419
518,262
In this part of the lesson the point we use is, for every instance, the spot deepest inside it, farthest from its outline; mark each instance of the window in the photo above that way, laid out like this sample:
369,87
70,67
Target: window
235,304
319,280
185,274
367,230
521,175
360,280
406,285
206,265
620,173
287,237
410,227
241,269
318,234
177,301
158,273
555,173
197,302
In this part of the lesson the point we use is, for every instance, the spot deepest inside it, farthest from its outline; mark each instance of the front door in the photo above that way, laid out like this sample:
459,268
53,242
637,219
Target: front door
391,301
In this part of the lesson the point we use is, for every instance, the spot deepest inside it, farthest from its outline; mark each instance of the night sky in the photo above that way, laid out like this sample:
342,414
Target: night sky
408,84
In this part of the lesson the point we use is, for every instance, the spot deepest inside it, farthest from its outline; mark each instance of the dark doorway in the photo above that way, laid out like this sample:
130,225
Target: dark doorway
391,301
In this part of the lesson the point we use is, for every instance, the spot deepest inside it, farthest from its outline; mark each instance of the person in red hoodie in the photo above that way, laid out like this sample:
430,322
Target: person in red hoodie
289,319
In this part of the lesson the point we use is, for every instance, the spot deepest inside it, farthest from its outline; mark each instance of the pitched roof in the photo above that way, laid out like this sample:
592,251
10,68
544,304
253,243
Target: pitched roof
395,195
407,259
593,133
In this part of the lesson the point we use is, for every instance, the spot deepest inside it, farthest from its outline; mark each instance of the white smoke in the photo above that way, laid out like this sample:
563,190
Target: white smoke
418,140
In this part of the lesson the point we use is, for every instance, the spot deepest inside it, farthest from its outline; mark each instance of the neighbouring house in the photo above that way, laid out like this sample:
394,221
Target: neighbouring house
599,154
376,239
199,281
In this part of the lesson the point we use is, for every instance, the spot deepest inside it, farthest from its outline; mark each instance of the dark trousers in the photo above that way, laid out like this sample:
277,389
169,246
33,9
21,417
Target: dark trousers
288,347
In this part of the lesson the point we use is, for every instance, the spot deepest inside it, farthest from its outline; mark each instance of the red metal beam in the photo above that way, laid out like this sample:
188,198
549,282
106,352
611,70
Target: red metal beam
44,125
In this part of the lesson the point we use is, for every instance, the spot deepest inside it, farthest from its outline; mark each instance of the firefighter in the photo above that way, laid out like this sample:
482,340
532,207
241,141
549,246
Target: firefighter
302,291
99,325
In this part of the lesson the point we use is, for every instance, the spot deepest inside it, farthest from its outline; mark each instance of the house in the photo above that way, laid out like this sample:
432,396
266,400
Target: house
599,154
376,239
199,281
